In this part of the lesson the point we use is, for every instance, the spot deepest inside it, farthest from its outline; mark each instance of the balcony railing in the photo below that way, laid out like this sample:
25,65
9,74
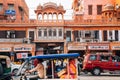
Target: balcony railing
87,40
12,40
51,23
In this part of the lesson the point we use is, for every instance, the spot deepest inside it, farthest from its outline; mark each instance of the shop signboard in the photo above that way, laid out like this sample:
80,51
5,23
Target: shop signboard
22,55
5,49
22,48
115,47
76,47
98,47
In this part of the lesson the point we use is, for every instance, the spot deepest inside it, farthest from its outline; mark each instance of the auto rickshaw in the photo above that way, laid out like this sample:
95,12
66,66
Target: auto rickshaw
56,66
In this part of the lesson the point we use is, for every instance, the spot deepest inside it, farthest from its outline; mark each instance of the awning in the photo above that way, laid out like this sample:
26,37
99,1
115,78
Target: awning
57,48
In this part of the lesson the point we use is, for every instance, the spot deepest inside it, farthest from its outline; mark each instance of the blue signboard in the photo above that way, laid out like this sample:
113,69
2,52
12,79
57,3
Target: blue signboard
10,12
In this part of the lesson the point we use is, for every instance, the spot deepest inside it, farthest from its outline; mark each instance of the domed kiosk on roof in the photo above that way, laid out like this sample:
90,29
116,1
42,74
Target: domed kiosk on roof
108,7
50,11
39,7
60,7
109,13
50,4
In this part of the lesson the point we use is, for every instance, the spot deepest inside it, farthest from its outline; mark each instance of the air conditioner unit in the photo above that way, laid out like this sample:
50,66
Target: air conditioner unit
26,40
79,40
88,40
95,40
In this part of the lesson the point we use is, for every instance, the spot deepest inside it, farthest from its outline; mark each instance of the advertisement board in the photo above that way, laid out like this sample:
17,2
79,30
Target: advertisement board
22,55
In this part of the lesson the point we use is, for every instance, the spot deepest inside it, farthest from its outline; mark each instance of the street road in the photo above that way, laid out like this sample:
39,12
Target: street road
105,76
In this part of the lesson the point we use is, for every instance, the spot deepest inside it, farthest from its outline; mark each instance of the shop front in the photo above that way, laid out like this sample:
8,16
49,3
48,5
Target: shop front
49,48
17,51
22,51
6,50
81,49
115,47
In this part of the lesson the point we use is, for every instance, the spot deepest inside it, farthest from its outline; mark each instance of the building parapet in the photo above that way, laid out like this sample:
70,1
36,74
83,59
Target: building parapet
91,23
62,23
33,22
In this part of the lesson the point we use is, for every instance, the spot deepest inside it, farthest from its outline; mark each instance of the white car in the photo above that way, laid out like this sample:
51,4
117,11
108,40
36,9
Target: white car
14,68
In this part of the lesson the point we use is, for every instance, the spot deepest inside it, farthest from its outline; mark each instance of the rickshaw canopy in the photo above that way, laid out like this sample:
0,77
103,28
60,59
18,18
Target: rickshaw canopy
63,72
56,56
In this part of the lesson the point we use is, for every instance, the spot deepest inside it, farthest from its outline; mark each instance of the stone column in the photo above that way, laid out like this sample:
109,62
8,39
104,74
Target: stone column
57,16
42,17
108,36
52,17
47,16
72,35
37,16
62,17
100,35
113,34
118,35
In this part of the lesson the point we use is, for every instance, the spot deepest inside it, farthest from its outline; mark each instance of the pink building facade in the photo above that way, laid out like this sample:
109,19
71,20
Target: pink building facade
94,4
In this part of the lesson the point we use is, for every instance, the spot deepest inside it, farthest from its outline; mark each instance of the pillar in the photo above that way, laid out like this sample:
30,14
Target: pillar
62,17
36,32
118,35
33,53
57,16
27,33
108,36
47,16
65,47
113,34
72,35
42,17
52,17
100,35
37,16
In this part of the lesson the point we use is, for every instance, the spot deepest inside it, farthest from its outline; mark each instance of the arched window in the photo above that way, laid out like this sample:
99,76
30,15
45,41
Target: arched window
45,16
50,16
60,16
54,16
40,17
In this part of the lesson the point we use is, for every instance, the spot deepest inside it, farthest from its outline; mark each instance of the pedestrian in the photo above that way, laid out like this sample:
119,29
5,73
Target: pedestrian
39,68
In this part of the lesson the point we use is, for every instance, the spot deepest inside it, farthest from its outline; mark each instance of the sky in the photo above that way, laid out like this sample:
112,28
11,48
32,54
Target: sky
67,4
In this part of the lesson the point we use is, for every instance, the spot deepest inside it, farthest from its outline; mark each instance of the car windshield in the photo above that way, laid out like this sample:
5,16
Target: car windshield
93,57
115,58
